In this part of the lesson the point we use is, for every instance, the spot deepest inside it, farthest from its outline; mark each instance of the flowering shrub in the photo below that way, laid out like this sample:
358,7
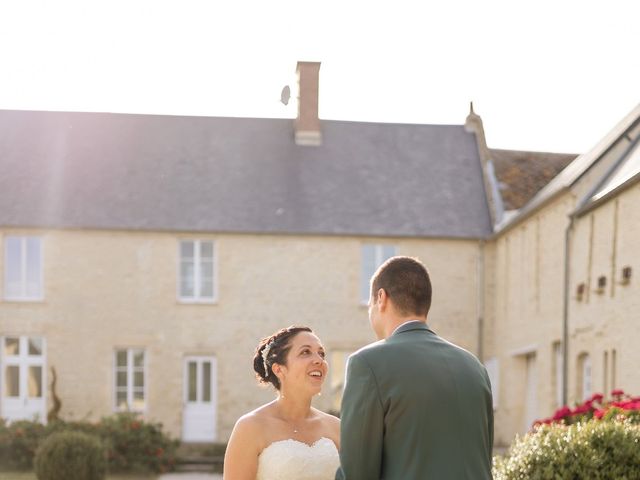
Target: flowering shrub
621,405
18,443
131,443
591,450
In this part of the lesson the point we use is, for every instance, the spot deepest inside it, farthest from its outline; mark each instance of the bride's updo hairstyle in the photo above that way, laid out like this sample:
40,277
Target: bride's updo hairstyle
274,349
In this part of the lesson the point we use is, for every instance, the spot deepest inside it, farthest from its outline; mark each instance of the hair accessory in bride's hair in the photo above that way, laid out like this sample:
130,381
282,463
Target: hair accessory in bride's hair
265,355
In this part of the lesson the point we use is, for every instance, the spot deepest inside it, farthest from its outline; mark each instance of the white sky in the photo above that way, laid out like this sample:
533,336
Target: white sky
544,75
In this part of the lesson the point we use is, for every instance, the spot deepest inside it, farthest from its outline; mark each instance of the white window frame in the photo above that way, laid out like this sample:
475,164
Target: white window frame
197,248
379,258
558,363
130,369
586,377
23,296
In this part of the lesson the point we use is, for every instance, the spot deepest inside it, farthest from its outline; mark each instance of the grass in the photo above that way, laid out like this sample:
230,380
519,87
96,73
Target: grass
32,476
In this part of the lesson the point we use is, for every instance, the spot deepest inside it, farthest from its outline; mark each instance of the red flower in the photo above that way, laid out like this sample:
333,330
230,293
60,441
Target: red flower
562,413
599,414
617,393
597,397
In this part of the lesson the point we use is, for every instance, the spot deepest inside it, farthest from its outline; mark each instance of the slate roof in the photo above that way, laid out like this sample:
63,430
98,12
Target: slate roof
210,174
522,174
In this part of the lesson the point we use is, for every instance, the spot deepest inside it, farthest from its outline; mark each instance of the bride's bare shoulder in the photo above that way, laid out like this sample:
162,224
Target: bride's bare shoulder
255,420
327,419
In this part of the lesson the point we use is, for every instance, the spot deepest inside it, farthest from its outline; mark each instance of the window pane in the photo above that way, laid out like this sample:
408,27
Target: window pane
138,359
13,261
187,279
12,381
34,382
121,358
206,381
35,346
206,289
121,379
193,382
34,267
367,270
11,346
206,250
138,379
206,271
121,399
186,250
138,400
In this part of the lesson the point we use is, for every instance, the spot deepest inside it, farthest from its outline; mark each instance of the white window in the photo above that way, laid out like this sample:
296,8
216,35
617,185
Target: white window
584,380
493,370
196,282
23,268
130,380
558,364
372,257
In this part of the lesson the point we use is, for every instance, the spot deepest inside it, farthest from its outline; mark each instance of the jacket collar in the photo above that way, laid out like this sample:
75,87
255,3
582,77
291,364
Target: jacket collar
409,326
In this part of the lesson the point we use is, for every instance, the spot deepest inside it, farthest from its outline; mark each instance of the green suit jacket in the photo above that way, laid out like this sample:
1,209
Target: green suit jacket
415,407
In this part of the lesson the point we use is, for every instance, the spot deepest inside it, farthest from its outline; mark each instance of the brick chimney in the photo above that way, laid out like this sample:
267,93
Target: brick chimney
307,125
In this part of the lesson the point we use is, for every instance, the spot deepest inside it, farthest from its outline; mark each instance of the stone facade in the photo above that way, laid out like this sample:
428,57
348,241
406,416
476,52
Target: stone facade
109,290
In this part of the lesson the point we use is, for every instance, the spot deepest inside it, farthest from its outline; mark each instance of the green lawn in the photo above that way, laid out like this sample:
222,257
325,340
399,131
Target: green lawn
32,476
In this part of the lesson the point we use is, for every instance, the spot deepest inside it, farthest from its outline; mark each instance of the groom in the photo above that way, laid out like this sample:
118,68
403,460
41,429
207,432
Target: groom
415,406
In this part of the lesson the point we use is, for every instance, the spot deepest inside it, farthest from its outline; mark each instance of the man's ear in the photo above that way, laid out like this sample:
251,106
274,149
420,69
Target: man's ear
383,299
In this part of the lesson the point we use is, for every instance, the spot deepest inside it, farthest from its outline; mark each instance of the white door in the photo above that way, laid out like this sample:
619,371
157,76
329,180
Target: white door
531,404
200,402
23,378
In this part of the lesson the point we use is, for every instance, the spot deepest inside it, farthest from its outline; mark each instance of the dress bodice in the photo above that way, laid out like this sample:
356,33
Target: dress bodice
294,460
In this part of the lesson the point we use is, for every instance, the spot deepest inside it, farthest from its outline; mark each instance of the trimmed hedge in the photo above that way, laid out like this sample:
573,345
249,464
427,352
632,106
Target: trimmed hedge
132,445
592,450
71,456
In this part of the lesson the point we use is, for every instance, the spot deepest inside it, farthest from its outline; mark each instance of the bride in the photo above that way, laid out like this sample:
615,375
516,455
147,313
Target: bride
286,439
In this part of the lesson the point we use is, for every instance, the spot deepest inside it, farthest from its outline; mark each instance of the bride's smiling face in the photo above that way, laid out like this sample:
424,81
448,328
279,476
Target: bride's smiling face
306,367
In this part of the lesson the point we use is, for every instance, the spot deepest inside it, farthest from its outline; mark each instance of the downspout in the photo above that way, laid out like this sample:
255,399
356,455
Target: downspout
565,316
481,293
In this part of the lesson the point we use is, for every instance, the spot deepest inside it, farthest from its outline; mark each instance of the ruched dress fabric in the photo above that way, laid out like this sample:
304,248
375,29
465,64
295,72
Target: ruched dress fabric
294,460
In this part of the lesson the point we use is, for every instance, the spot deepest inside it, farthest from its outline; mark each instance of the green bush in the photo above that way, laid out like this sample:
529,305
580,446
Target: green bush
71,456
18,443
589,450
132,445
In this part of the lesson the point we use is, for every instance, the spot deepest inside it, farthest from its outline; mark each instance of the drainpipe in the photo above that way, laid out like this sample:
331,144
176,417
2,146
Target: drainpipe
565,316
480,303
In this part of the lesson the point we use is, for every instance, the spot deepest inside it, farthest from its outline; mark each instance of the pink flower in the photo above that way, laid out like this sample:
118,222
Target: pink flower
617,393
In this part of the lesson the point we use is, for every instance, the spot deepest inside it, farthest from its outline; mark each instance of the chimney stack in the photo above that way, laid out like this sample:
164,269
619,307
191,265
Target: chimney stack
307,125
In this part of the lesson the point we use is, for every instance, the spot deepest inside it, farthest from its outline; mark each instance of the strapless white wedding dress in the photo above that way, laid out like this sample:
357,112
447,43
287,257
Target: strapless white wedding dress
294,460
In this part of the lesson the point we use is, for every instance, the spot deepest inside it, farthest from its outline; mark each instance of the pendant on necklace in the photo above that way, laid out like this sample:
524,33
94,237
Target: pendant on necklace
295,431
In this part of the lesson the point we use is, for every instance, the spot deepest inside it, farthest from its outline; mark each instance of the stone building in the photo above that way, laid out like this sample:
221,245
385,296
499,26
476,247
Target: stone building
144,256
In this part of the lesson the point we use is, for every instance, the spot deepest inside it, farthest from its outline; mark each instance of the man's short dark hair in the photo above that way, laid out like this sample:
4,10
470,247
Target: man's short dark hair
406,282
